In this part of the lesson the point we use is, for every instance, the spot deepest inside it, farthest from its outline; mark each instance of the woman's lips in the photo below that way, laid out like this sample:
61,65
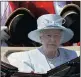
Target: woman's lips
52,45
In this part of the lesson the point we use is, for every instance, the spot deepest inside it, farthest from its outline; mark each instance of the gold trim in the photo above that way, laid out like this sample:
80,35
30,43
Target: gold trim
16,11
68,6
12,21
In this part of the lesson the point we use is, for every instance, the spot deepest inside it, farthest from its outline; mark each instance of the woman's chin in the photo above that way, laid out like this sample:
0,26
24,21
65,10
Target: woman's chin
52,46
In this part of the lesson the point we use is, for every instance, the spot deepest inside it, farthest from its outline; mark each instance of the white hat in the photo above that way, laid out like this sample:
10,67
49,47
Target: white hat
50,21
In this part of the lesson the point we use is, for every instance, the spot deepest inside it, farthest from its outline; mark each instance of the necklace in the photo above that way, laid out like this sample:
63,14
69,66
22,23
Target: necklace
52,62
53,59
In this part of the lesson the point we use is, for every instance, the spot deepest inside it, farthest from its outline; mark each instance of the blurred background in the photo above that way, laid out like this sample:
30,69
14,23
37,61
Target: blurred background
71,13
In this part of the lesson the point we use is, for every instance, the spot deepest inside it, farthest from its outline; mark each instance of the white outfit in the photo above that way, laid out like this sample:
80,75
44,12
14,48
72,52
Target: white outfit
4,36
35,60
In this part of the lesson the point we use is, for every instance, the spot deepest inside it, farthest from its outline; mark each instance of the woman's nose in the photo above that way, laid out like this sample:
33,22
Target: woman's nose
53,39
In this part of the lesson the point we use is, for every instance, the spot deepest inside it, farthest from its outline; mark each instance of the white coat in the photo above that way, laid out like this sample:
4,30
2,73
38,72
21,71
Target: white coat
36,61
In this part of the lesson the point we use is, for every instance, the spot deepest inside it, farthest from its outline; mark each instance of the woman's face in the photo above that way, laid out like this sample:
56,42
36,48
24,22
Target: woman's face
50,39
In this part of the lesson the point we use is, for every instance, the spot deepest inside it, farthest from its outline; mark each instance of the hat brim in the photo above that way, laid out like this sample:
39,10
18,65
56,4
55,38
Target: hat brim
67,34
17,12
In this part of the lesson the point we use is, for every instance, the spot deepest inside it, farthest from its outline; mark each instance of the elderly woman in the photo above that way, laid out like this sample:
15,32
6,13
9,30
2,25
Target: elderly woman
51,34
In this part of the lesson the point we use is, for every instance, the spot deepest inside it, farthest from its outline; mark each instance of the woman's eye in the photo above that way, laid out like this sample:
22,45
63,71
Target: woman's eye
49,35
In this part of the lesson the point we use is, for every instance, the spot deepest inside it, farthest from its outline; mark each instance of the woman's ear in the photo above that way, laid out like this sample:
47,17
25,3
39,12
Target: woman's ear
41,39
